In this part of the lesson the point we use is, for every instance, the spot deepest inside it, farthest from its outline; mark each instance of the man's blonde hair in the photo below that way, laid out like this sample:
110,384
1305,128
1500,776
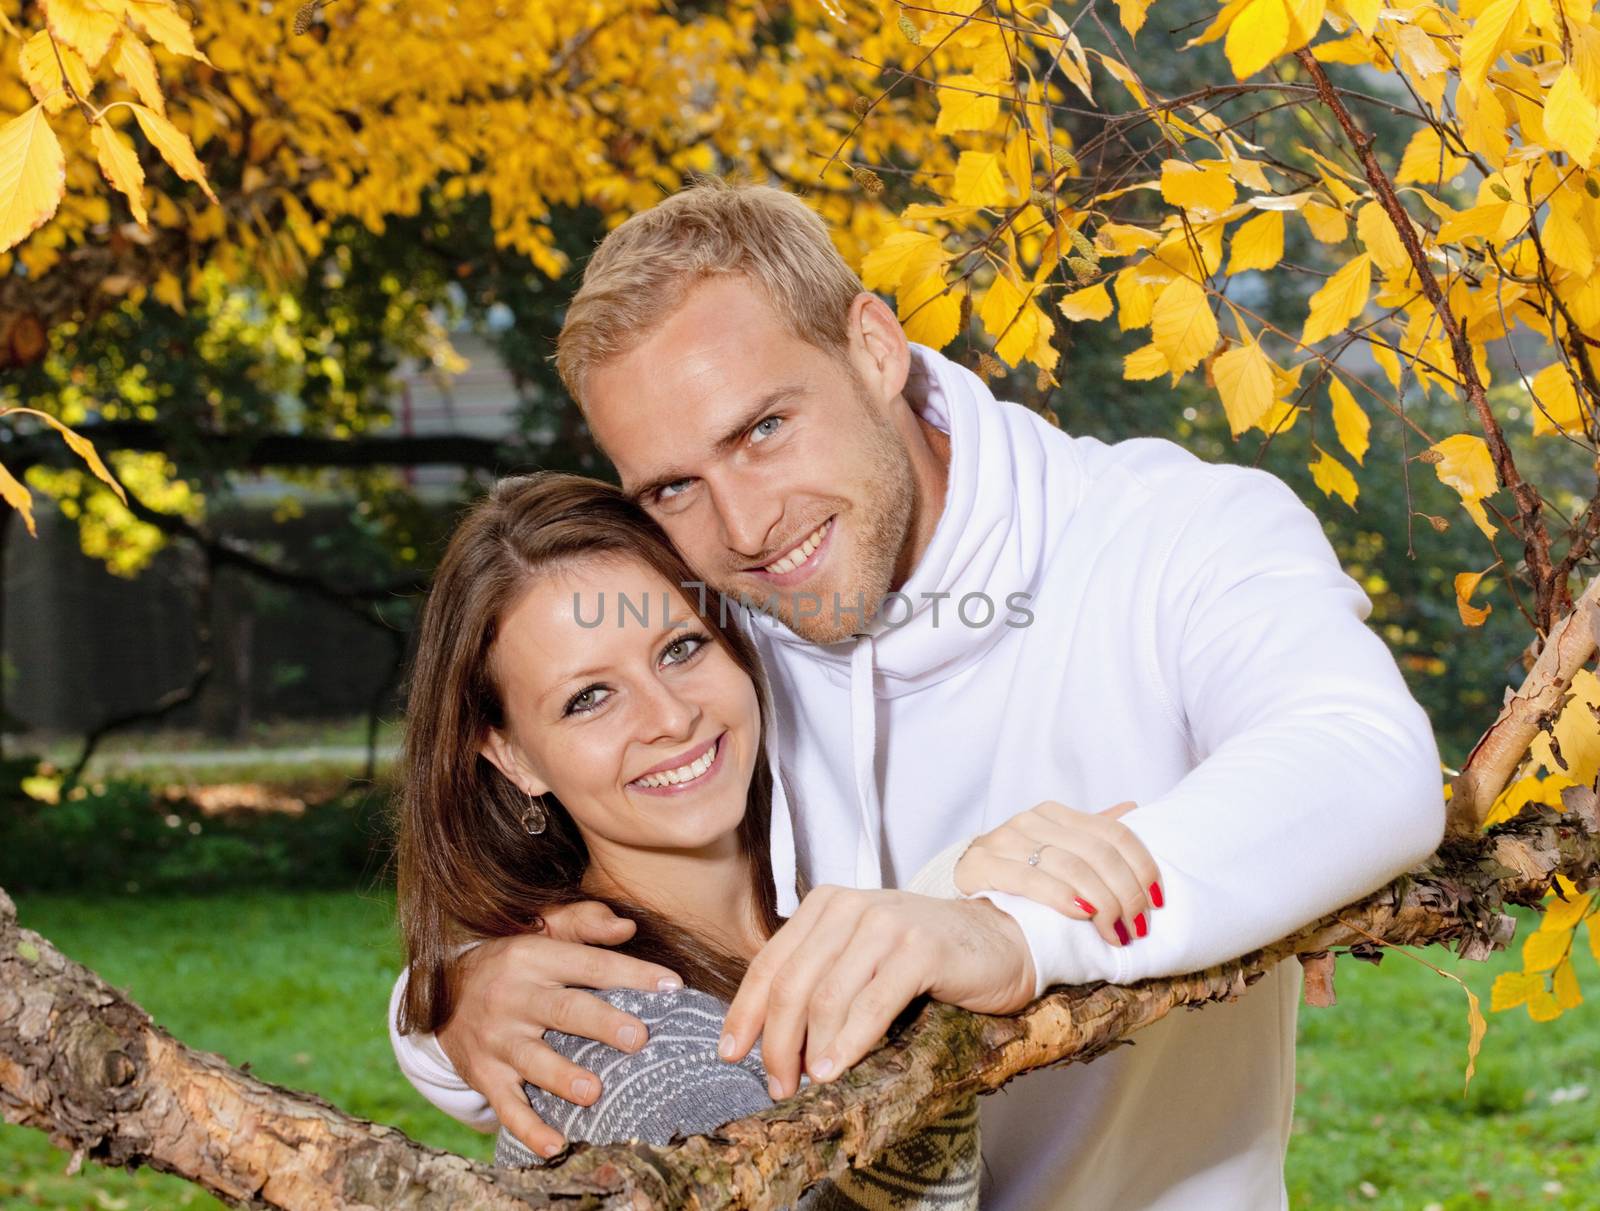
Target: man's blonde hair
642,271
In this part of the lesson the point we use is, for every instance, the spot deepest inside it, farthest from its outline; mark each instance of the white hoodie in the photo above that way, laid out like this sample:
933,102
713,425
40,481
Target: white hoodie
1186,639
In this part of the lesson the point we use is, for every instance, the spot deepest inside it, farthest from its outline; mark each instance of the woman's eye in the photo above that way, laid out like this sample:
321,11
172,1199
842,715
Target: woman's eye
681,649
586,700
765,428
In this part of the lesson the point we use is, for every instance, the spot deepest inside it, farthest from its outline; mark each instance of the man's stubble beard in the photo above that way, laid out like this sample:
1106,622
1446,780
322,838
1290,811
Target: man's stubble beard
883,527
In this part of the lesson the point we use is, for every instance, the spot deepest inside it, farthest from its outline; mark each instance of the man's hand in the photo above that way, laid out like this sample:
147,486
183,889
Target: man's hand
511,990
828,984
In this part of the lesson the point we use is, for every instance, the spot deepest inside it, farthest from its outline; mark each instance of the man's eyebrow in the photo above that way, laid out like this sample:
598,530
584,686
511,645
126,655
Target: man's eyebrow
729,439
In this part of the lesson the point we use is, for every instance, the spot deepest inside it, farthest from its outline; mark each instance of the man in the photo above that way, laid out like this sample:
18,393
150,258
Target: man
976,614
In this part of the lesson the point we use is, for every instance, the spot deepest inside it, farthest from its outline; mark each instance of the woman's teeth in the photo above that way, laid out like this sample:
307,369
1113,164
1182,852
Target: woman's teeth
800,554
684,773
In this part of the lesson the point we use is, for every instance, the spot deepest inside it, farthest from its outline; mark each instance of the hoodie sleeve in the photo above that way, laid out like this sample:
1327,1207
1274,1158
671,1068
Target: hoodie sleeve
1319,776
429,1070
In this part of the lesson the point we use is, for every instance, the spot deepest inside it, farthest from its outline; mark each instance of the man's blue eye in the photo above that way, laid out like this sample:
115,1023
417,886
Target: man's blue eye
766,428
676,488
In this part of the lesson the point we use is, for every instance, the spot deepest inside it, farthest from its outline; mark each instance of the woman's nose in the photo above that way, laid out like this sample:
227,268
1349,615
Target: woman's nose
668,714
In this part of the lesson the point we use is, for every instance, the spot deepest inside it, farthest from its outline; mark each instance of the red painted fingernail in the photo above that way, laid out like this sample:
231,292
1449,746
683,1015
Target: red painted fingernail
1155,894
1122,933
1139,927
1085,905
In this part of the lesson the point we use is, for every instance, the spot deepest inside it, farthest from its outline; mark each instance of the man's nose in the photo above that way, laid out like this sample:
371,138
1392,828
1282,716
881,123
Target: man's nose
748,510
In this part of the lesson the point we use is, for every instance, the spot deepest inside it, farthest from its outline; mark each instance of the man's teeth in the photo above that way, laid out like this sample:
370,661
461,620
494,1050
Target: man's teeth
800,554
684,773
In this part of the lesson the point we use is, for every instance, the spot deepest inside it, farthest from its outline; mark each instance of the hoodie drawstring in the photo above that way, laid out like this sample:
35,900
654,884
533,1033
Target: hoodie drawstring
863,753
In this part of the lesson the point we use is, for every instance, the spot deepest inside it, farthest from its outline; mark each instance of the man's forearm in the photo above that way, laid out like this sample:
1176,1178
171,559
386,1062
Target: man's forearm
430,1072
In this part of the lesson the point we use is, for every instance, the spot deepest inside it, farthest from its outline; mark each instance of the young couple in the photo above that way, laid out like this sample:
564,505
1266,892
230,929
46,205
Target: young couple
1098,712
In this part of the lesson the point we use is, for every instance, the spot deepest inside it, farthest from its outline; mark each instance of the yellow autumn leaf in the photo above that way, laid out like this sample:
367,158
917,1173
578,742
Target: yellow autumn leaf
1090,303
1477,1027
1244,381
1339,300
1376,231
169,290
1542,1005
978,180
42,71
1364,13
1350,423
1544,948
133,61
1494,26
903,256
1565,987
1471,615
1465,465
166,25
1011,318
16,494
1565,914
1181,324
1512,988
1144,363
1136,298
1028,337
1576,738
1479,515
1257,243
83,25
1565,241
78,444
1327,223
1333,477
1555,406
33,175
1426,159
174,147
1195,188
930,314
1571,120
1525,791
1132,13
966,103
1258,35
121,167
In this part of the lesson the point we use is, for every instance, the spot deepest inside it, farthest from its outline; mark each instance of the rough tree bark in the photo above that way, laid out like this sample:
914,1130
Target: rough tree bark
83,1063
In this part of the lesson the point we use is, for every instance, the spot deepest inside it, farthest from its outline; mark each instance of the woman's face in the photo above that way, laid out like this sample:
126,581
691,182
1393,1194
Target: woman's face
623,706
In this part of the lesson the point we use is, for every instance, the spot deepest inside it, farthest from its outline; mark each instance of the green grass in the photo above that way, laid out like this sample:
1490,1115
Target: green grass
296,984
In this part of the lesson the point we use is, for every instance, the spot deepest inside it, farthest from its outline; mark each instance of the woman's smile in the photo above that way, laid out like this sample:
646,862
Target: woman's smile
695,769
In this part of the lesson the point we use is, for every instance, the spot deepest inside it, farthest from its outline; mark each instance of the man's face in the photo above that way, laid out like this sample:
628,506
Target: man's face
777,468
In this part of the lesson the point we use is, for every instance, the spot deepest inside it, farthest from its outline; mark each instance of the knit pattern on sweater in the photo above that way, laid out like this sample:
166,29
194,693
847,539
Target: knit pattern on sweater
676,1086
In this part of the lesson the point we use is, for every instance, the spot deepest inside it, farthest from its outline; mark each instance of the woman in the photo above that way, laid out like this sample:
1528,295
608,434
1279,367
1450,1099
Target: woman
578,730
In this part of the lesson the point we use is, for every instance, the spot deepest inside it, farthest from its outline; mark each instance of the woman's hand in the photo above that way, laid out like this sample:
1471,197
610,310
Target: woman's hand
826,986
1086,865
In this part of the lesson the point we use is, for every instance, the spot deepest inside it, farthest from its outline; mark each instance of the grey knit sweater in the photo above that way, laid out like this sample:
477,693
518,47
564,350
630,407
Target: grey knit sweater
676,1086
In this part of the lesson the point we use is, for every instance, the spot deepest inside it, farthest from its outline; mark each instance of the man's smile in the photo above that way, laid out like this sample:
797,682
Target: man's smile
800,560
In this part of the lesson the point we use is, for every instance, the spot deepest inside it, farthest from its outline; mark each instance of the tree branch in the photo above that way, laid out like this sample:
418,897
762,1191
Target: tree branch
81,1062
1550,597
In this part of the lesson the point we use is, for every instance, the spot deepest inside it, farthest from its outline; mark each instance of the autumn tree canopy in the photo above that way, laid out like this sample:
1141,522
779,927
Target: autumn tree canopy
1415,185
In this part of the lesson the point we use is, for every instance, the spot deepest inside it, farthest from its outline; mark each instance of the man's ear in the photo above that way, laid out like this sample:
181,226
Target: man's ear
878,346
506,757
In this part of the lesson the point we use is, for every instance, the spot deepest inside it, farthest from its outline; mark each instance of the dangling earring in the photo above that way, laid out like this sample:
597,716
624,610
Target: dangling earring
535,818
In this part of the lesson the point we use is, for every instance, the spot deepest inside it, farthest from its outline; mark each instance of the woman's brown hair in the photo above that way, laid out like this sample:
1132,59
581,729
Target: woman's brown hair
467,869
